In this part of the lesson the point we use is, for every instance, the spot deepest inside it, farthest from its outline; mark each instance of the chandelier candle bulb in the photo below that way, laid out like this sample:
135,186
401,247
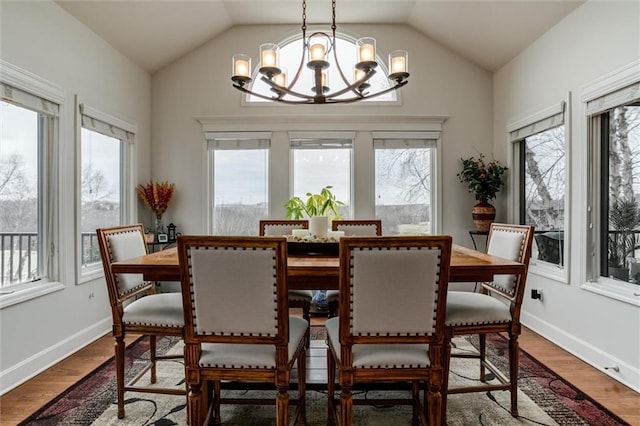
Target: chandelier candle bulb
241,65
281,79
269,55
366,49
317,52
398,62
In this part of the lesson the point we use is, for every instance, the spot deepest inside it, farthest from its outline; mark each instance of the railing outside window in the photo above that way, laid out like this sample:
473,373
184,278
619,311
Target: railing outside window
19,255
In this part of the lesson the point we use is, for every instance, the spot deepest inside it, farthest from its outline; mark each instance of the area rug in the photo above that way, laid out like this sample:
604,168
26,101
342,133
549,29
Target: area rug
543,397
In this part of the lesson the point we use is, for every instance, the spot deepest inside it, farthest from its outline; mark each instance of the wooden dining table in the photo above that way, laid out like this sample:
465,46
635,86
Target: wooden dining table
321,272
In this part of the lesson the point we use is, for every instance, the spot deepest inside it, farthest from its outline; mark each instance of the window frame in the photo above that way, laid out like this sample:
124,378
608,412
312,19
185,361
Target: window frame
94,270
518,130
416,140
35,85
239,139
604,91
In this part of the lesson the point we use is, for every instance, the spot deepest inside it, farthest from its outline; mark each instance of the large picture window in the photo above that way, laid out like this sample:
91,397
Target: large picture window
404,169
239,167
541,170
323,161
28,182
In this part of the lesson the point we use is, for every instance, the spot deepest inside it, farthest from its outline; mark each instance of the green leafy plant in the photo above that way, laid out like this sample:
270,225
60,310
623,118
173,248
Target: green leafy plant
483,179
322,204
624,219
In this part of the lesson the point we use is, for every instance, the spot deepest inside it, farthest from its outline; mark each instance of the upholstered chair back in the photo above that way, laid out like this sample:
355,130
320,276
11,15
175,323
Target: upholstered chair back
123,243
234,287
396,286
358,227
511,242
281,227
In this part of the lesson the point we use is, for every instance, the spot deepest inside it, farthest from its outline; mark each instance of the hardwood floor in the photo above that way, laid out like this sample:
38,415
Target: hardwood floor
18,404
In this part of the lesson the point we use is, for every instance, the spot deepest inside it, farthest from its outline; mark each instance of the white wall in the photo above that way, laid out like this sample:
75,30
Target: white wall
596,39
199,84
42,38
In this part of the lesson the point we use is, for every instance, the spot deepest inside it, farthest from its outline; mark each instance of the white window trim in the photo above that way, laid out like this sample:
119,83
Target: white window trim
94,271
34,84
545,269
608,287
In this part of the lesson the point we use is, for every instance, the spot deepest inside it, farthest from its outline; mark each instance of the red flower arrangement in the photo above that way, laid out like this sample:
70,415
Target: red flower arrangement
156,195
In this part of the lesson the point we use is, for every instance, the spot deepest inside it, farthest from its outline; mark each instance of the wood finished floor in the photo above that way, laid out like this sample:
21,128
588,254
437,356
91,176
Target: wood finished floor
19,403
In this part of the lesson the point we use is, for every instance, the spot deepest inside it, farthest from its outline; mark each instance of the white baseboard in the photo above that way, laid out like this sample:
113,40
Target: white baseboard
628,375
30,367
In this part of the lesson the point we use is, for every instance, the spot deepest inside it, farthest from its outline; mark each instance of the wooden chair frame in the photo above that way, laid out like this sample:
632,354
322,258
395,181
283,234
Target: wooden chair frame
198,377
431,378
120,329
512,328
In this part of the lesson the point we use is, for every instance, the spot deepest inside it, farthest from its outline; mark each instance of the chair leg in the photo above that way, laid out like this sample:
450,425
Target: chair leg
119,355
446,365
415,396
302,388
152,352
282,406
195,404
331,389
217,388
306,315
346,404
514,355
483,352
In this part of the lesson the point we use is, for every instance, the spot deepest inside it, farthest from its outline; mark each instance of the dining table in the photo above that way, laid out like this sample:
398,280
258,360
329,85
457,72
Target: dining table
321,272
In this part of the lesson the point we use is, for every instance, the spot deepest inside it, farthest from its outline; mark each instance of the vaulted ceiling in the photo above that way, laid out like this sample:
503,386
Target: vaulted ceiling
154,33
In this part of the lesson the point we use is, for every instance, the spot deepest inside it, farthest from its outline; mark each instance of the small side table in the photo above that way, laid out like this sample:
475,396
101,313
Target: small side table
474,233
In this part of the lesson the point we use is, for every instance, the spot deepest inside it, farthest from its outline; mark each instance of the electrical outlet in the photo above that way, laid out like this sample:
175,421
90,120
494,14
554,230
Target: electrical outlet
536,293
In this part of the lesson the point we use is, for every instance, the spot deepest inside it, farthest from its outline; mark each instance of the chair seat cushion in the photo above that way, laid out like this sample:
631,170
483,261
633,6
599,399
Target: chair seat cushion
379,355
236,355
164,310
332,295
300,295
466,308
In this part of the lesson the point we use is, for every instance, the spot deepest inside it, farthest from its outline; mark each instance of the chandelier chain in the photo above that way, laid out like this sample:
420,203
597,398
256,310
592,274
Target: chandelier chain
304,15
333,16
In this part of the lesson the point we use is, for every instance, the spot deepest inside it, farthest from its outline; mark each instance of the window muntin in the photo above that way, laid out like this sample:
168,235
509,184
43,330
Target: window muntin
619,134
318,163
238,167
543,192
404,189
100,190
290,56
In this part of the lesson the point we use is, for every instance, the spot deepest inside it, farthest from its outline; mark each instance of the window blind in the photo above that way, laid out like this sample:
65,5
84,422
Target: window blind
544,120
238,140
321,140
613,99
27,100
400,140
105,124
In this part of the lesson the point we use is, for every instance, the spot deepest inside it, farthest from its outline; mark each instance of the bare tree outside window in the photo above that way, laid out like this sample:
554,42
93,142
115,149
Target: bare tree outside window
403,190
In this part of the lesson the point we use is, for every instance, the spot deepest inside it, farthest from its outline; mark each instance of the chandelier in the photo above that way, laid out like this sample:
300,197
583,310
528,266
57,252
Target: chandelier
315,50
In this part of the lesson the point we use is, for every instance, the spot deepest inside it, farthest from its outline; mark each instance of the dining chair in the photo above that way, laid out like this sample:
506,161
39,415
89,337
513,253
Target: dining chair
391,324
137,308
369,227
237,324
297,298
494,309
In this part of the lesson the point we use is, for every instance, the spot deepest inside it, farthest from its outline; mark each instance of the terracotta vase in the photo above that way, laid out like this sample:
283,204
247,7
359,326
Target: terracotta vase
483,215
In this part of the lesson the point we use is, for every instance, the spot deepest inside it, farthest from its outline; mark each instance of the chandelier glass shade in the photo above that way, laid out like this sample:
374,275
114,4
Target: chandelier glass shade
316,48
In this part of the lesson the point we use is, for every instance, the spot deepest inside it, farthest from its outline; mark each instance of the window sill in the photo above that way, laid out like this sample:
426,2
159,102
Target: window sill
27,293
549,270
627,293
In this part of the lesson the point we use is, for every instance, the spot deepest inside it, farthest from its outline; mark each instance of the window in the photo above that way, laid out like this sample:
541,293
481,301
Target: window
105,143
612,108
321,160
404,170
290,55
619,130
540,146
28,180
239,166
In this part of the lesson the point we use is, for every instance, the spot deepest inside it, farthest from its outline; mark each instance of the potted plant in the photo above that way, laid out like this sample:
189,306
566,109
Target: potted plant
484,180
319,208
624,220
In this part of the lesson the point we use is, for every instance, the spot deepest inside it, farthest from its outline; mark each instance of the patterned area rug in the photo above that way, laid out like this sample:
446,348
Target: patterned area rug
543,397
